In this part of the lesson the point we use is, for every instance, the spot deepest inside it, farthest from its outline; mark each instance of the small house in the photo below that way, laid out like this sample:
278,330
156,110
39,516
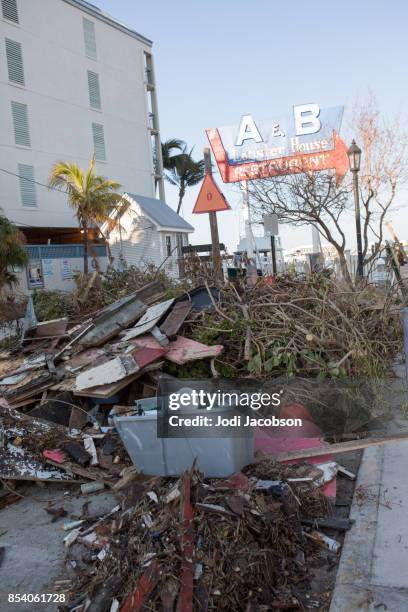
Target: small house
148,232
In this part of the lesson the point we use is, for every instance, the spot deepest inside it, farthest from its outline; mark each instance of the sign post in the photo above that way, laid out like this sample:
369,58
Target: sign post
271,228
210,200
216,253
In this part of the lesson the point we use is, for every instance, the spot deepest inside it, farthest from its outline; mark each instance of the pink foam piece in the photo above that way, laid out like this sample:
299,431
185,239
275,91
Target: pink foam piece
272,440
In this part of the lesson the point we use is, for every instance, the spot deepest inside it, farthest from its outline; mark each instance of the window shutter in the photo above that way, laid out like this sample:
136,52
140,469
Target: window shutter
94,90
89,37
20,122
99,141
10,10
14,61
27,185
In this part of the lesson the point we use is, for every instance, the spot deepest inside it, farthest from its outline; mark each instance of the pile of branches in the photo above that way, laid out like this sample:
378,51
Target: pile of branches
96,290
303,327
248,548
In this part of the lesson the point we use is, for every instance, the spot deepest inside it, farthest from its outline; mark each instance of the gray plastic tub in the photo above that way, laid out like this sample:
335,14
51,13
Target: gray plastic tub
216,457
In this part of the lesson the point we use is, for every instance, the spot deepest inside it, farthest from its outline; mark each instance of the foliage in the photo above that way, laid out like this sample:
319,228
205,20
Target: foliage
12,252
50,305
92,197
184,171
321,200
169,149
311,327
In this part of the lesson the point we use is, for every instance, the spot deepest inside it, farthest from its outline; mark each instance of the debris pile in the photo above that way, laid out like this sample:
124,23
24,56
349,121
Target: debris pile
72,376
65,381
309,327
247,542
233,544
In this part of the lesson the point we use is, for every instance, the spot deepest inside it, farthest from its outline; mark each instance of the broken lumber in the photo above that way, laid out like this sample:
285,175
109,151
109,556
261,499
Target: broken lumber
341,447
328,522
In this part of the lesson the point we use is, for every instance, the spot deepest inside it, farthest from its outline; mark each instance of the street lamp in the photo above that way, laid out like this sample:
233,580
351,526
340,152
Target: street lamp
354,155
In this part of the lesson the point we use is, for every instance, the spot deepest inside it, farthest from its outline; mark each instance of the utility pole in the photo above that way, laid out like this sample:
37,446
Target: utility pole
216,253
273,255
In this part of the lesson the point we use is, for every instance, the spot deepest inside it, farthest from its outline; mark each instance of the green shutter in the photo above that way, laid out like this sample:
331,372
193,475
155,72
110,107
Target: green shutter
20,123
99,141
10,10
27,185
14,61
94,90
89,38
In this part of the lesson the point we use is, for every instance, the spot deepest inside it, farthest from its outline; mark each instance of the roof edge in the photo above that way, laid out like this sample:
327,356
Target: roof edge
98,14
132,198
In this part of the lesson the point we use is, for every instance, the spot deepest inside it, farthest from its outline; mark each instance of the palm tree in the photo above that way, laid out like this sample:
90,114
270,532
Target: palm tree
91,196
168,151
12,252
185,172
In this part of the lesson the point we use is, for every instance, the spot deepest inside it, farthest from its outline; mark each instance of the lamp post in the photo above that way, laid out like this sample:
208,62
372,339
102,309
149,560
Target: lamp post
354,155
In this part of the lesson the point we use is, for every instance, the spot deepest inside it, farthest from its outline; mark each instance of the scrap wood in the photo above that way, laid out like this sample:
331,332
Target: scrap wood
90,473
149,320
16,464
105,391
328,522
107,373
183,350
147,582
185,599
340,447
175,319
217,560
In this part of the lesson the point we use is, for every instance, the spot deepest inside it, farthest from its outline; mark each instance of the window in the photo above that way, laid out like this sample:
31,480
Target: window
14,61
94,90
168,245
27,185
10,11
99,141
20,123
89,38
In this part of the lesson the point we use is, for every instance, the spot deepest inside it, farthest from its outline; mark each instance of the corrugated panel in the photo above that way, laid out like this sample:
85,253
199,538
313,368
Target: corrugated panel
27,185
14,61
89,38
99,141
10,11
63,251
20,123
94,90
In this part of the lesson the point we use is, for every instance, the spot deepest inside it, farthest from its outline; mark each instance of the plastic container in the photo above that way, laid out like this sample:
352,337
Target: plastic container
216,457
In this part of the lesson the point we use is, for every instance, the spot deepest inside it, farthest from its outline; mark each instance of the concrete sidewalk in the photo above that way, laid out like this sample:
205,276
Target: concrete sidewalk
373,570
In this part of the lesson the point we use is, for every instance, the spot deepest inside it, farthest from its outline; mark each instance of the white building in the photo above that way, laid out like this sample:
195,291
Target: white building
73,82
149,233
264,253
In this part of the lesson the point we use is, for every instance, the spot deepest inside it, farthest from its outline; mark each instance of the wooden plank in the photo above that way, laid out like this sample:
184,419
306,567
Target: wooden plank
151,317
328,522
341,447
105,391
176,318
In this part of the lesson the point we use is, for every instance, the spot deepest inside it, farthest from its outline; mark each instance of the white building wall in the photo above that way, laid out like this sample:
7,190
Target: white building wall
60,118
140,242
55,274
137,240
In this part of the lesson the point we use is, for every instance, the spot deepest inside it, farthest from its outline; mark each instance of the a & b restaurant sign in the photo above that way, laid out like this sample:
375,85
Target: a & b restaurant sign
307,140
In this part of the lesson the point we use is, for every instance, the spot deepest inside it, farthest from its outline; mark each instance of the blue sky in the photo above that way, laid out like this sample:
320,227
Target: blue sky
216,61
